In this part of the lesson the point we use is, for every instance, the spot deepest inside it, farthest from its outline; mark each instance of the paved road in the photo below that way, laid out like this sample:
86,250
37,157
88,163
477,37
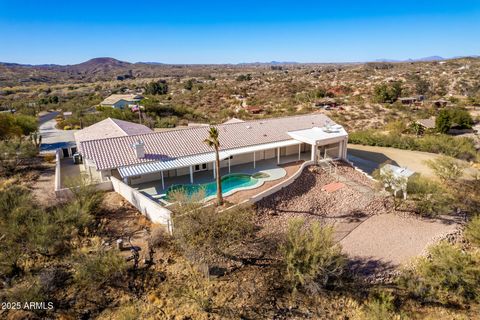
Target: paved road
53,138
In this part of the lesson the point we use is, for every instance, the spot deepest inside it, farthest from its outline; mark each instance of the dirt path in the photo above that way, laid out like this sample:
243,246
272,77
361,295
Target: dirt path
43,188
368,158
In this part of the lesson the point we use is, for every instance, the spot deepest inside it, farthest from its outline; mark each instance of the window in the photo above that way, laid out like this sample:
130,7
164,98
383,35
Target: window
200,167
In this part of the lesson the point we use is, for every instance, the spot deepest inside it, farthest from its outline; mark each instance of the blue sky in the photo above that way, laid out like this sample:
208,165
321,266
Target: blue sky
68,32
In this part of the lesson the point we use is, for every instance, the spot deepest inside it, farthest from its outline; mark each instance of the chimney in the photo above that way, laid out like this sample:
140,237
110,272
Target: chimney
139,147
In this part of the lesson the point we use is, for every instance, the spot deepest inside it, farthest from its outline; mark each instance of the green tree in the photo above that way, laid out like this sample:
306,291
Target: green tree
311,257
157,87
188,84
416,128
443,122
422,86
387,92
461,118
214,142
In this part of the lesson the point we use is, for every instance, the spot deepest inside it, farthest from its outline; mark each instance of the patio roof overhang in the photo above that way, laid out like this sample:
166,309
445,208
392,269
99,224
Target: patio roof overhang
156,166
319,136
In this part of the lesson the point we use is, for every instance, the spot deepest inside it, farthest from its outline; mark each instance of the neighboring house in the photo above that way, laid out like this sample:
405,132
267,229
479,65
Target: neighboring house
120,101
153,156
408,100
253,110
327,103
440,103
109,128
427,124
233,120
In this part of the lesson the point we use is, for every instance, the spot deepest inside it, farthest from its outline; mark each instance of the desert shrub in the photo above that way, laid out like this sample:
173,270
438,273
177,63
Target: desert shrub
472,231
380,307
27,291
49,157
449,276
430,197
53,278
447,168
98,267
204,233
311,257
158,237
13,153
461,148
16,125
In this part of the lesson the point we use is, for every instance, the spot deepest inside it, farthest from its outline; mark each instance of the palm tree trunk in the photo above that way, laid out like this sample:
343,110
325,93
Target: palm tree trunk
219,178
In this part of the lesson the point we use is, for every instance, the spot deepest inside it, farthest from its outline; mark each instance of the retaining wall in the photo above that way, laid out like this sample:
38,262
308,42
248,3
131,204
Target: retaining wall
151,209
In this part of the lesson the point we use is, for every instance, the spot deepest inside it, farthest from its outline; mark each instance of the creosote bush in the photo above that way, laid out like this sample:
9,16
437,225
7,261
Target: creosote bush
311,257
472,231
461,148
449,276
99,266
447,168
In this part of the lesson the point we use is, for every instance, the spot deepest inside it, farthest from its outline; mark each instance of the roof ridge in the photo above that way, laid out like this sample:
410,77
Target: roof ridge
113,120
203,127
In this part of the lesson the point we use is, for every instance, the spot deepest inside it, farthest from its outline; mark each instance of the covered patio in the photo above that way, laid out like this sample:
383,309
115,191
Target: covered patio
271,168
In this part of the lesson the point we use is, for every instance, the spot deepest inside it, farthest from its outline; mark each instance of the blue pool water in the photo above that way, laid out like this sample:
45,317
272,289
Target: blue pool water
229,183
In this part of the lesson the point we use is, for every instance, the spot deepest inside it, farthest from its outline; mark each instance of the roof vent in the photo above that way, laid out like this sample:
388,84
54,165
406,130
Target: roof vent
139,147
248,127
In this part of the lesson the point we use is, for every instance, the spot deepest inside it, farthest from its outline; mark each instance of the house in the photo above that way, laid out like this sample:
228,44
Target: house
253,110
440,103
156,156
233,120
120,101
408,100
427,124
327,103
109,128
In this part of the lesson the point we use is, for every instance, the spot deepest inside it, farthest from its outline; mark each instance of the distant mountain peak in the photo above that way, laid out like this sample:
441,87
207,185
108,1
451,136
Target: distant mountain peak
103,61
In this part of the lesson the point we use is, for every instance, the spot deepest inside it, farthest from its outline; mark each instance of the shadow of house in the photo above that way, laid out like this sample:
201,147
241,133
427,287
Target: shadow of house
368,161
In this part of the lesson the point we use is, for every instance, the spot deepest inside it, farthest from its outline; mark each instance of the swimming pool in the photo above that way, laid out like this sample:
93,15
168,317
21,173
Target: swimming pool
230,183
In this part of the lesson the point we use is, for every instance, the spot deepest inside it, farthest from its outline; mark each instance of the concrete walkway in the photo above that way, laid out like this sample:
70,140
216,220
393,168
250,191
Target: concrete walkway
391,239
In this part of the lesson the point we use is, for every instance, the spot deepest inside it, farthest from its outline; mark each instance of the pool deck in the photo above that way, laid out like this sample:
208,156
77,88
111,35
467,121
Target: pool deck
275,172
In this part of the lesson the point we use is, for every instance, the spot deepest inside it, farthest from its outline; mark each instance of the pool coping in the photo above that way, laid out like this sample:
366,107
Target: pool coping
260,182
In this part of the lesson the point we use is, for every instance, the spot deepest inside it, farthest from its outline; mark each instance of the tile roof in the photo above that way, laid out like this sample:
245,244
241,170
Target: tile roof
114,98
427,123
109,128
161,146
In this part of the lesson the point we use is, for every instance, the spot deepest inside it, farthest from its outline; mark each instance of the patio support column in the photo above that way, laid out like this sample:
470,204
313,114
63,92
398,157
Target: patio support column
228,164
278,155
214,171
163,182
253,159
299,151
191,174
314,155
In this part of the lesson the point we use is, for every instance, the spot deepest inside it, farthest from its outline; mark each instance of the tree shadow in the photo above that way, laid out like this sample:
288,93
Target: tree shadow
368,267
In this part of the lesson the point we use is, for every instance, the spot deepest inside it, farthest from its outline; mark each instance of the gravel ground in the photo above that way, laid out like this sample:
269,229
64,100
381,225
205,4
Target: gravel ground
376,239
394,239
345,208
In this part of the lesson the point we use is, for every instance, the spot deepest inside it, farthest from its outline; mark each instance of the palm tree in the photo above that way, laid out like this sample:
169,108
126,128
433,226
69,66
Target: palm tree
212,141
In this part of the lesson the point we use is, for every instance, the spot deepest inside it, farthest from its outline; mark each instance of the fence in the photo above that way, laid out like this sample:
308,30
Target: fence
64,193
151,209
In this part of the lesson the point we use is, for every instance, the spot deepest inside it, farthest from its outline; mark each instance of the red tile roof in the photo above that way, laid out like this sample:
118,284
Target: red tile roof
117,152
